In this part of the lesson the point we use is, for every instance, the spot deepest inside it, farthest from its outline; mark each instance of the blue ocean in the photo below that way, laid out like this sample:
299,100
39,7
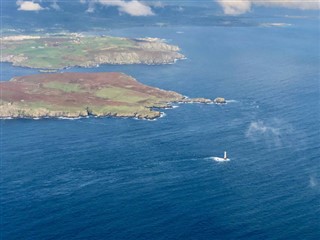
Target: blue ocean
109,178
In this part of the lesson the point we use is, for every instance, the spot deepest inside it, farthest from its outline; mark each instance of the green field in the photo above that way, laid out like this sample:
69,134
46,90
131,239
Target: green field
122,95
81,94
56,52
65,87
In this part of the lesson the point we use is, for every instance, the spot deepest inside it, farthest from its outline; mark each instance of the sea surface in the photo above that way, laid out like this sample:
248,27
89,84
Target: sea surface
109,178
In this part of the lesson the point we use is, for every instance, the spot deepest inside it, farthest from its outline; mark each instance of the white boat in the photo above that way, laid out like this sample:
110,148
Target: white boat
222,159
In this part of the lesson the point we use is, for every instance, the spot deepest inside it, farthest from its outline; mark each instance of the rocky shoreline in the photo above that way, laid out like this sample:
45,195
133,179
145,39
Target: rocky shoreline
74,95
119,58
9,111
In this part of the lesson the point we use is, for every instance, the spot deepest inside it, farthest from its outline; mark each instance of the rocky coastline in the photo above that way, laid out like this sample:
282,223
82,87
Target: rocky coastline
86,51
78,95
11,111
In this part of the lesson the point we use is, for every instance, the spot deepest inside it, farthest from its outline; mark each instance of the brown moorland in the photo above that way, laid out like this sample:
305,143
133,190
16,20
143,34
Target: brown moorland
84,94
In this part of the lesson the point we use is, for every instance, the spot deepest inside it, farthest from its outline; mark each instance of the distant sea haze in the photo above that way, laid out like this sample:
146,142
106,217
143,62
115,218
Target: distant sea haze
107,178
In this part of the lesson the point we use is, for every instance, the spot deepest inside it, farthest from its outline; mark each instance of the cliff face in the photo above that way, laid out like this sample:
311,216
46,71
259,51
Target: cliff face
15,111
156,43
136,57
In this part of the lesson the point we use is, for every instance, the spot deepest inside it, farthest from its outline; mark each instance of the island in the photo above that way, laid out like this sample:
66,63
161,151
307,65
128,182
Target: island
50,52
73,95
220,100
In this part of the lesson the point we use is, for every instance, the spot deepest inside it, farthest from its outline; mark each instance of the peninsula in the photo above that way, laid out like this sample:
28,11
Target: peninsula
51,52
75,95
